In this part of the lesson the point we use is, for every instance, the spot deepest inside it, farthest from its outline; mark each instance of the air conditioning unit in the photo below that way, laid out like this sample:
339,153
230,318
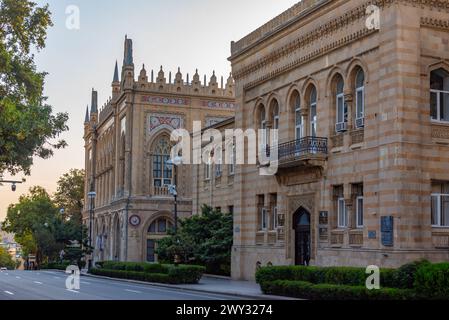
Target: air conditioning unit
360,122
341,127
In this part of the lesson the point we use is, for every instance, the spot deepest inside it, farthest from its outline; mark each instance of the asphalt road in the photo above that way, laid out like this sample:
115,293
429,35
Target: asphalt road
50,285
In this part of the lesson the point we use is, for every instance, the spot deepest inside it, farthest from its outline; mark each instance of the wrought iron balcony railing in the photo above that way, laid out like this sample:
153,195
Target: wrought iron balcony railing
302,147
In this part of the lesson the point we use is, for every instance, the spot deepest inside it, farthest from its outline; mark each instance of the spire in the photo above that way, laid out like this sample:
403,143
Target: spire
86,119
116,78
94,104
128,54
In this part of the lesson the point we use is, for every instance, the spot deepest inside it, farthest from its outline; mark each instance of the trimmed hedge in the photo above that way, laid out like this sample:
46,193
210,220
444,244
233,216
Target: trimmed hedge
55,265
134,266
307,290
416,280
134,275
331,275
161,273
433,280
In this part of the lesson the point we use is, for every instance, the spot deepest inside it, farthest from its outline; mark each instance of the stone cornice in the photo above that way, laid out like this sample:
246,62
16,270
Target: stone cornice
435,23
306,39
310,56
290,15
327,29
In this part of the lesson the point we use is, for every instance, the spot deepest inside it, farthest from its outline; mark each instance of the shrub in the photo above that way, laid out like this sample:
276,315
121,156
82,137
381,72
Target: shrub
331,275
433,280
307,290
404,277
134,266
186,273
55,265
182,274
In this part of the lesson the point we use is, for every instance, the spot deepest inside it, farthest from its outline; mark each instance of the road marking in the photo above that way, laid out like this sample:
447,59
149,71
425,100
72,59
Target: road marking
83,282
9,292
57,277
74,291
133,291
37,282
17,277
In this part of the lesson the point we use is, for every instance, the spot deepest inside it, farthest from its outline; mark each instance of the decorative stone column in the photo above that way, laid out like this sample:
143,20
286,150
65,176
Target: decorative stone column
349,100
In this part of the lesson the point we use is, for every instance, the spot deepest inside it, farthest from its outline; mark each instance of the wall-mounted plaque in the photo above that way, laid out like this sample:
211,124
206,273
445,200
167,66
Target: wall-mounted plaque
324,217
387,231
372,235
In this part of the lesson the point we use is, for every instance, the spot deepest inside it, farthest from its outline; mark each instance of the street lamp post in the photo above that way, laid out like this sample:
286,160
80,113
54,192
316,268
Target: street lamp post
91,196
12,182
175,162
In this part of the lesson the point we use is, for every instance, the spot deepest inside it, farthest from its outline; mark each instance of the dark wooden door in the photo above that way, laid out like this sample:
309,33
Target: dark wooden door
150,250
302,237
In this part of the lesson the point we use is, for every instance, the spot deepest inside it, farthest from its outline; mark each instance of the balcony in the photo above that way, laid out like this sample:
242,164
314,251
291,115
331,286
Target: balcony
306,152
160,191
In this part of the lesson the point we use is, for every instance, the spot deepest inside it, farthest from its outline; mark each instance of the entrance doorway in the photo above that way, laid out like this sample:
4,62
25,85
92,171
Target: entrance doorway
301,225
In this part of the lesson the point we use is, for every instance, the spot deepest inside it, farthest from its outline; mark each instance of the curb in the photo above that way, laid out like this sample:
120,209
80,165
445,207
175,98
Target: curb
168,286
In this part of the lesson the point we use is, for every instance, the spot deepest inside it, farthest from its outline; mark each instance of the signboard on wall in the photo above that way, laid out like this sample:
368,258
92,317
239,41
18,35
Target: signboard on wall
387,231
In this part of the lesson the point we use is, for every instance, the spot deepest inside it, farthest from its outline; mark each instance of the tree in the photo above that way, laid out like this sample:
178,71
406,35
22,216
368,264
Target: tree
202,239
27,123
6,259
70,194
34,221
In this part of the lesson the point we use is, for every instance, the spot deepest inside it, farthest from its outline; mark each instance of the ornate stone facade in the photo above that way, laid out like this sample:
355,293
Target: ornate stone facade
376,194
127,144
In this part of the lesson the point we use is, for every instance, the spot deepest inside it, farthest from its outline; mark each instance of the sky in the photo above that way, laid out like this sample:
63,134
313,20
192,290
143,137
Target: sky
188,34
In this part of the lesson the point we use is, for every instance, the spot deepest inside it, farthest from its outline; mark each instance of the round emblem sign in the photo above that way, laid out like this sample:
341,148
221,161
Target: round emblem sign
134,220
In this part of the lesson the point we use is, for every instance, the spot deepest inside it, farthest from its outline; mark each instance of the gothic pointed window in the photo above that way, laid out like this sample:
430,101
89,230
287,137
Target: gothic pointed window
162,172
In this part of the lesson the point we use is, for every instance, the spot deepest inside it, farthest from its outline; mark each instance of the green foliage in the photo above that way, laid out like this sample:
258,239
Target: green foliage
181,274
41,229
133,275
134,266
6,260
433,280
27,123
415,280
204,239
70,194
308,290
56,265
404,277
333,275
185,274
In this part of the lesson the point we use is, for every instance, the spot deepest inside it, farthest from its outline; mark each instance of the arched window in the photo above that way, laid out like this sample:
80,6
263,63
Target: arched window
160,226
157,230
313,112
360,99
439,95
341,109
298,117
275,114
162,173
263,126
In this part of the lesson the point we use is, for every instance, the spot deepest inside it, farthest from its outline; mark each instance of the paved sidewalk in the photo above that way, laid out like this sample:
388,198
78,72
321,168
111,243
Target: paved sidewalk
210,284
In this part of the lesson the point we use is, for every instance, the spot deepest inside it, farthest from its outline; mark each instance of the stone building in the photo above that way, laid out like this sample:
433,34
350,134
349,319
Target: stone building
362,108
127,145
213,184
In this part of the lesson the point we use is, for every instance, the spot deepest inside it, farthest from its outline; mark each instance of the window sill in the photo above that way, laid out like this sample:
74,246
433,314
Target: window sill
440,122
